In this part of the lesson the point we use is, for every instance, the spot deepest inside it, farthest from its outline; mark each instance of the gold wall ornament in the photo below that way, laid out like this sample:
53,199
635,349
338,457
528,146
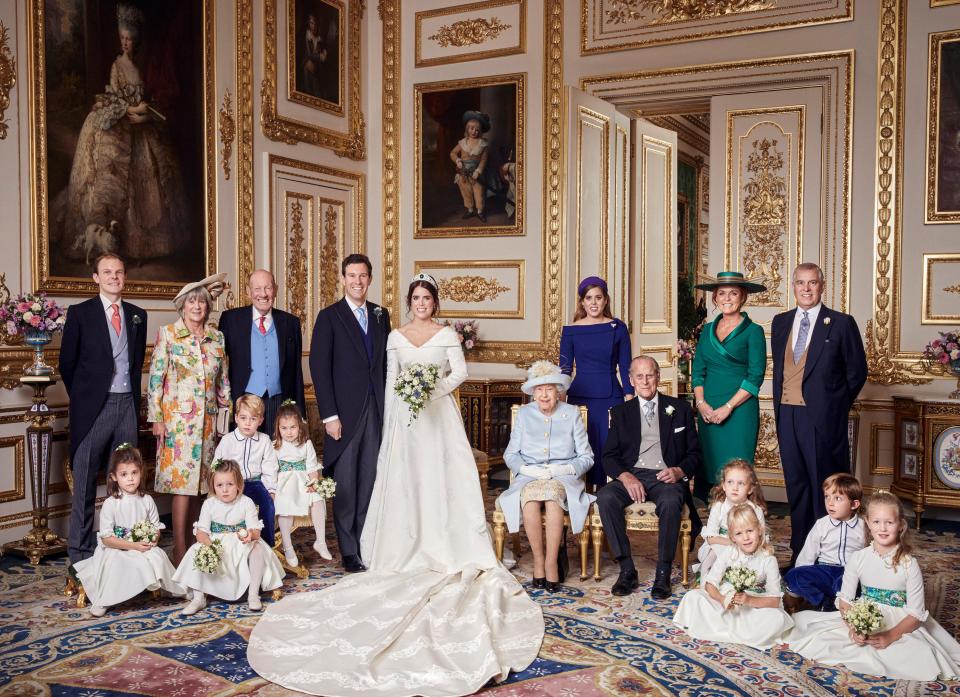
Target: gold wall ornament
767,456
952,289
765,219
349,143
8,77
468,32
662,11
329,274
228,131
471,289
245,200
296,266
882,370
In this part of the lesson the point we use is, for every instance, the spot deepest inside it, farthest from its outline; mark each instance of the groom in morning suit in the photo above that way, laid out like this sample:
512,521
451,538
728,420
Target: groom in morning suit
101,361
651,452
348,364
819,366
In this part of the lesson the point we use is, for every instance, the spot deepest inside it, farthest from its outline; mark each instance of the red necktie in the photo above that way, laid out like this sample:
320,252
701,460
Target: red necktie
263,328
115,320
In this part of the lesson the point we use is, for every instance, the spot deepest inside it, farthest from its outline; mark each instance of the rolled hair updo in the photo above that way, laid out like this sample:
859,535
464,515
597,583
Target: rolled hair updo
430,288
580,313
124,454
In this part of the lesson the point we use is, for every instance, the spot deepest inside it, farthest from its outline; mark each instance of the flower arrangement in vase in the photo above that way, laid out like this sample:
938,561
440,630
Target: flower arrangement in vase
945,354
35,317
467,331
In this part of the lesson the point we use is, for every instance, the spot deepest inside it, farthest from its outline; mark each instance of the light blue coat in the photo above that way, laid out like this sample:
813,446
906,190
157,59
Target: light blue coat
560,439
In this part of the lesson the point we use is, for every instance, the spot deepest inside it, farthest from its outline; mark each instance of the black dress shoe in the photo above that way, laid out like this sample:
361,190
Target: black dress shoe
661,585
482,216
538,582
469,213
352,564
553,586
626,583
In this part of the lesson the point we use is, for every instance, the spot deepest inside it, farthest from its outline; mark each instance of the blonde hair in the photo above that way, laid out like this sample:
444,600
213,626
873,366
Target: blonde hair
743,514
882,497
756,493
251,403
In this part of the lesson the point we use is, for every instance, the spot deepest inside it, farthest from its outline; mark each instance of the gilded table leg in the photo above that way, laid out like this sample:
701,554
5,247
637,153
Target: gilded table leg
596,533
499,533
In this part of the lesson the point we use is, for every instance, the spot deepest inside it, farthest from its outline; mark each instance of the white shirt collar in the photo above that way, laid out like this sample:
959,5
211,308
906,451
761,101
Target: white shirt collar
852,523
107,302
643,402
240,437
353,307
256,314
812,313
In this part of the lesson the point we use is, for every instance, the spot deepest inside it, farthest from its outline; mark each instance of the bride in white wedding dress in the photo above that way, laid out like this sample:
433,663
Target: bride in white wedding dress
435,614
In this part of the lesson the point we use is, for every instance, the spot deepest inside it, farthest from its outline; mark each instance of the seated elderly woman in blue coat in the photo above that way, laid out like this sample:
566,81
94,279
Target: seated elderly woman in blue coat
548,454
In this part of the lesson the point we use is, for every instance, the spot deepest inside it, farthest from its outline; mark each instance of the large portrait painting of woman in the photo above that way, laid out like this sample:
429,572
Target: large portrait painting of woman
316,48
121,107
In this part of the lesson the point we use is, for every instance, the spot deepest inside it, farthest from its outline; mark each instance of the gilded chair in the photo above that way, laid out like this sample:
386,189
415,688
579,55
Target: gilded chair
500,522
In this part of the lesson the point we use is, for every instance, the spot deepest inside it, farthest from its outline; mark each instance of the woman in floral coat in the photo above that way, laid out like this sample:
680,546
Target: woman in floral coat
188,385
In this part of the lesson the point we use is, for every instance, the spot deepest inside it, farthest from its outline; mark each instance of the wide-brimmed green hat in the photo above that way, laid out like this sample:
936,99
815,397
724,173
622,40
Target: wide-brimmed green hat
732,278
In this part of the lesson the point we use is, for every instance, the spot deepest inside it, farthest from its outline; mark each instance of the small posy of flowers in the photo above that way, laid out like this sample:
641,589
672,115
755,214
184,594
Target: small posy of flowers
684,350
740,578
206,559
27,312
943,350
864,617
325,487
467,331
414,386
144,531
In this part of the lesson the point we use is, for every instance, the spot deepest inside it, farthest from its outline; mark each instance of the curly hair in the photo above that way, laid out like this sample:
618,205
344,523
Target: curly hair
756,492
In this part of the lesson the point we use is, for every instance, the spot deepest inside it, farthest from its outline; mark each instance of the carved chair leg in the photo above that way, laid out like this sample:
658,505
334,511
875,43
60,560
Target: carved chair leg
596,533
81,598
499,532
685,558
584,540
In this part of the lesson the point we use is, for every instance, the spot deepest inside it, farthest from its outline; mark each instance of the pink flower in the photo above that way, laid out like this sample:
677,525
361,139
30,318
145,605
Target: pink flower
469,343
11,328
23,306
35,320
460,336
944,358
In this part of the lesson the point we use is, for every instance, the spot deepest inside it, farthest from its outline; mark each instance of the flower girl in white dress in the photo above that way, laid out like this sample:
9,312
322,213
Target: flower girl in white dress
121,568
721,611
298,467
738,484
246,563
911,645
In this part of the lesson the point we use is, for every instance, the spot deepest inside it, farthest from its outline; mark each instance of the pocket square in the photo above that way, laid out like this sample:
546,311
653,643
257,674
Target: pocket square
677,430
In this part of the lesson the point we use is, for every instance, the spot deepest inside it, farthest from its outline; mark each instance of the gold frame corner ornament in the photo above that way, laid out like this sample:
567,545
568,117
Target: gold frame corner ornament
228,132
8,77
349,144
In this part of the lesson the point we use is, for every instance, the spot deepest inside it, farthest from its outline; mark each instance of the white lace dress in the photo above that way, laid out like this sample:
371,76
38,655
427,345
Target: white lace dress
926,653
232,578
111,576
297,462
436,614
760,627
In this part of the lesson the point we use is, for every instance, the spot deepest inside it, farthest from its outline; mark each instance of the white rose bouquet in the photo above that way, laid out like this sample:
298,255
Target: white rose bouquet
207,557
144,531
864,617
414,386
324,486
740,579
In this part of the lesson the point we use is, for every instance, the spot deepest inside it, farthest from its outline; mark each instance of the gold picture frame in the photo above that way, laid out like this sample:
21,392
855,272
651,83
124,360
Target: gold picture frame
308,58
348,143
440,107
943,164
481,27
69,275
473,286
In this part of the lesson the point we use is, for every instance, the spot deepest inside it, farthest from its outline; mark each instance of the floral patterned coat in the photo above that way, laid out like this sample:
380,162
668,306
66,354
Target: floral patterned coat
188,384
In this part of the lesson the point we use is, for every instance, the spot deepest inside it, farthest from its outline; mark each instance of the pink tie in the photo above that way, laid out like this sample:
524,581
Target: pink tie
263,328
115,320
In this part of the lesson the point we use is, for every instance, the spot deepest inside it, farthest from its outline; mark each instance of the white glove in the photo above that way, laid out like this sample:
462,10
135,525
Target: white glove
561,470
535,471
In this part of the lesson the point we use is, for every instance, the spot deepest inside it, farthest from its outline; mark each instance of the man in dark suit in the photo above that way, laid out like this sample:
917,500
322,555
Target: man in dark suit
819,366
264,346
348,364
101,361
651,452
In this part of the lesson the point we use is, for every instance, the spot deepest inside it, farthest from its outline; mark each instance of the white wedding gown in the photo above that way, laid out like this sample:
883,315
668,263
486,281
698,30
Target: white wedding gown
436,614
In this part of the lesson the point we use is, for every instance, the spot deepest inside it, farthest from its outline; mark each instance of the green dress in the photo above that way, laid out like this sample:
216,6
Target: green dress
722,368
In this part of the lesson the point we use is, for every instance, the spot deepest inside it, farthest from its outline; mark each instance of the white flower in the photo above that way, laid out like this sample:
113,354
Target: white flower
27,316
670,410
35,307
826,320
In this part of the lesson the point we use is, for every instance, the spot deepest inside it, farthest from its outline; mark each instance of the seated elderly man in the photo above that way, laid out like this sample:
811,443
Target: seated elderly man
651,453
548,453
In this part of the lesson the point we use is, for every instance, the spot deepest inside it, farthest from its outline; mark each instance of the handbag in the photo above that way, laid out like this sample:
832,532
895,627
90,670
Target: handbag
222,424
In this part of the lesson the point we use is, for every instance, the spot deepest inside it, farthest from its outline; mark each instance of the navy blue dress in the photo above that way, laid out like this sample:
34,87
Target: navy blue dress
596,351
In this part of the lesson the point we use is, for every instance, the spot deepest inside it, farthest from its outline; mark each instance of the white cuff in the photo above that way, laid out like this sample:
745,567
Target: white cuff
331,418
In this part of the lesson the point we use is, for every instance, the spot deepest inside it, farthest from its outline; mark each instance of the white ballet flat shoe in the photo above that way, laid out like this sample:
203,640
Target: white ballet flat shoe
196,604
98,610
321,549
254,602
291,557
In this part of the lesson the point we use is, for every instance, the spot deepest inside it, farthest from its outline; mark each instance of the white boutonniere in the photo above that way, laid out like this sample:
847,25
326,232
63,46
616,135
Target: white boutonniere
669,410
137,320
377,311
826,320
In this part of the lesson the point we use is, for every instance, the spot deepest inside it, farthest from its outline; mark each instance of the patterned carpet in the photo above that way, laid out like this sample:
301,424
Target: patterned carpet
595,644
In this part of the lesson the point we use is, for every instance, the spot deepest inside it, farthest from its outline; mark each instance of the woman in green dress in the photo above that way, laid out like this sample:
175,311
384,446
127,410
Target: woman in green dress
728,369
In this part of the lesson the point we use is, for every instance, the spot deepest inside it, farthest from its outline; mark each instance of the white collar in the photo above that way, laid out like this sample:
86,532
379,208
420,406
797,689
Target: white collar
852,523
240,437
812,312
354,308
256,314
107,302
644,402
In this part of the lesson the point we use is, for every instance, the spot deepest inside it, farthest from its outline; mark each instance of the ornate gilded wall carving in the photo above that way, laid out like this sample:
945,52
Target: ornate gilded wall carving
765,219
332,246
767,457
8,77
468,32
454,33
661,11
297,254
471,288
228,131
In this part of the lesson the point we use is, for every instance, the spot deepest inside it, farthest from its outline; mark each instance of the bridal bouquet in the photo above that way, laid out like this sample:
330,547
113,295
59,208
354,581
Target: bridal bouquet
207,557
414,386
324,486
864,617
740,579
144,531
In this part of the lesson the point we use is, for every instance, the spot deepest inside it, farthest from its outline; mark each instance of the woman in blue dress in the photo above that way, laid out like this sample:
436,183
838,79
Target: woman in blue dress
592,348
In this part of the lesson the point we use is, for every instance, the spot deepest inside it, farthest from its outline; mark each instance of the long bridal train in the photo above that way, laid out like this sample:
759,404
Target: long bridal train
436,614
